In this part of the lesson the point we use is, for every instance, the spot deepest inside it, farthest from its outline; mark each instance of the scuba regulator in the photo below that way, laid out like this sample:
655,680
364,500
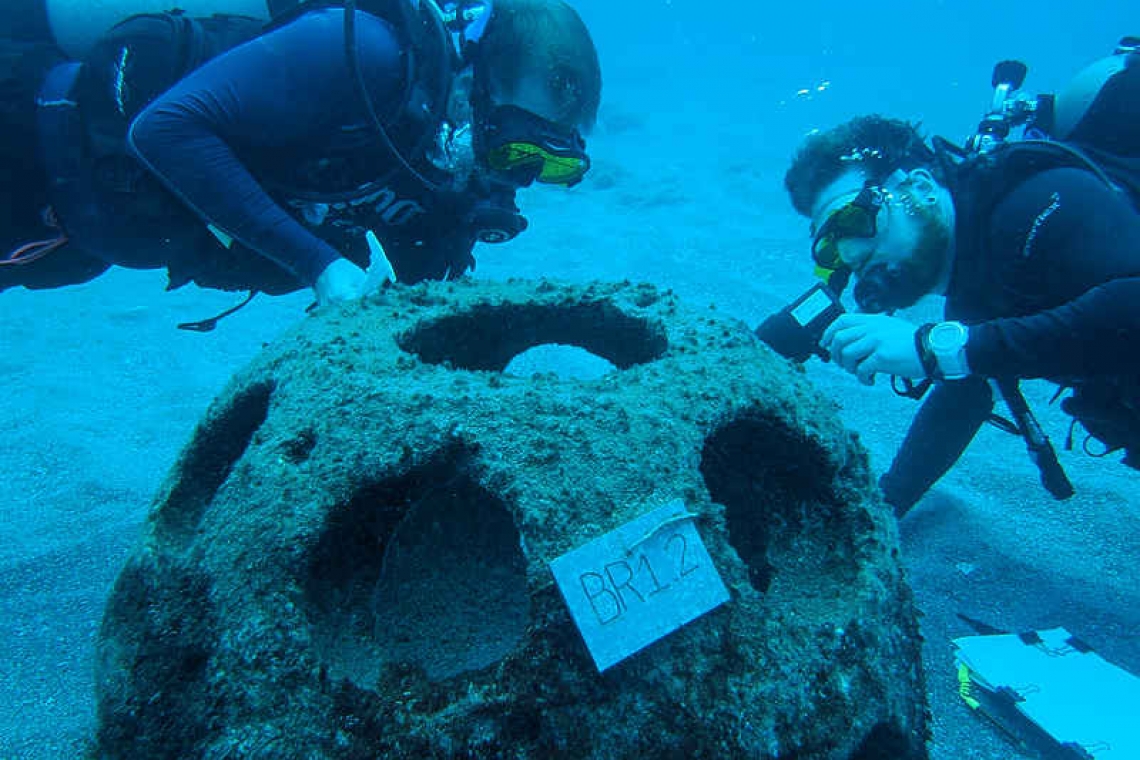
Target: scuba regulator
1009,107
494,217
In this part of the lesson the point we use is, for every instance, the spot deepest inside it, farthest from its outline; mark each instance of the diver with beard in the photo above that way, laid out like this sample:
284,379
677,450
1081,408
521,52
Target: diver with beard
1039,266
242,157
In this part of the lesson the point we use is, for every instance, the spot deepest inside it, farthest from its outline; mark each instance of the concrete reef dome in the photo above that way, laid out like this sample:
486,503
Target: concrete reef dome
351,557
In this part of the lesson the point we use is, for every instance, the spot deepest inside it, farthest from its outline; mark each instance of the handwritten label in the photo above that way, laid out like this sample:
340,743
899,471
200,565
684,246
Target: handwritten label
638,583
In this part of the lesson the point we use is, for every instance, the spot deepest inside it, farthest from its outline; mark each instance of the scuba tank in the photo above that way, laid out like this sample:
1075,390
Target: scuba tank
74,25
1100,107
1092,123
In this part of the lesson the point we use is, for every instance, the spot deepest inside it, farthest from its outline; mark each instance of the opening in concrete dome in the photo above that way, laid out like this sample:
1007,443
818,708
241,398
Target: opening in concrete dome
489,336
422,569
784,521
569,362
218,443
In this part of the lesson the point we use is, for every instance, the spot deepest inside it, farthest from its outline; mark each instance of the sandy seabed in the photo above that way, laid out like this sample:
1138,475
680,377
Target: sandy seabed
101,391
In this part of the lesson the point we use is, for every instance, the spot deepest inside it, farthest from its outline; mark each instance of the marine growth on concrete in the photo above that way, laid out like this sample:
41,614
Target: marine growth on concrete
351,558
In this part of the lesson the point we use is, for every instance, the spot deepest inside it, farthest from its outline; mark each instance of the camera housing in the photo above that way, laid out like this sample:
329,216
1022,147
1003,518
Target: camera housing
794,331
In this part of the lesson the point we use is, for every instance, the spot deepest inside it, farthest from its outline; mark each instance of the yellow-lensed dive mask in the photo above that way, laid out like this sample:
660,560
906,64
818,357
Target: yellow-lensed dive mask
857,219
527,148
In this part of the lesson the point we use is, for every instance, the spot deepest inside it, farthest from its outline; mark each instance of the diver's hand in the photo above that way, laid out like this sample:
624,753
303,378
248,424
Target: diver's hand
869,344
341,281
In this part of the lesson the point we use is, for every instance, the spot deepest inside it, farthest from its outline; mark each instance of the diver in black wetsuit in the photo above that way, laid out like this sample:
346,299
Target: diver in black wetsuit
266,164
1038,260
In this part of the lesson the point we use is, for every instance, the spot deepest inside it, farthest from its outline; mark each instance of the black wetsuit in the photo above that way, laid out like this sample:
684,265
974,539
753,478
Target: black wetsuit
1047,276
270,145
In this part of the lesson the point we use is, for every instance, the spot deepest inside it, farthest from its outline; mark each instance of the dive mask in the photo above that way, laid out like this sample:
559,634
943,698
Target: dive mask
524,148
857,219
883,284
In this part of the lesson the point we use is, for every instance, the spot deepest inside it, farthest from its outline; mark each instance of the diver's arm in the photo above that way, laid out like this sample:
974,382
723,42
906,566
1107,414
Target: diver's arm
279,90
1073,246
1095,334
945,424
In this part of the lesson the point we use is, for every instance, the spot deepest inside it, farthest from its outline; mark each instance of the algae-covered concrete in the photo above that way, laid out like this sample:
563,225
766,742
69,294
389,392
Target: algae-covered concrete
351,557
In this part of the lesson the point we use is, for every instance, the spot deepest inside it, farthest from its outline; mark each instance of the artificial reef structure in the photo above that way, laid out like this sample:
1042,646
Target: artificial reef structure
352,556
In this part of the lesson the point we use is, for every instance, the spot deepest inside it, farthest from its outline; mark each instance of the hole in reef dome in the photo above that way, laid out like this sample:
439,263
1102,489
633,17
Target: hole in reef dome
423,568
218,444
489,336
564,361
783,520
452,591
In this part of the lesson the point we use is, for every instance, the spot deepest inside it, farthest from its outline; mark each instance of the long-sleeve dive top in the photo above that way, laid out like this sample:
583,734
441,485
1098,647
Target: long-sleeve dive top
253,140
1050,288
280,91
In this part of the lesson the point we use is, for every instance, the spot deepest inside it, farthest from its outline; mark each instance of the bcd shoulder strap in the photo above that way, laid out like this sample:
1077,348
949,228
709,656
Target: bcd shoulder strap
996,172
143,56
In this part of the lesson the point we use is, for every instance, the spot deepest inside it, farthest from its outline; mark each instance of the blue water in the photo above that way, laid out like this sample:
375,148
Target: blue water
928,60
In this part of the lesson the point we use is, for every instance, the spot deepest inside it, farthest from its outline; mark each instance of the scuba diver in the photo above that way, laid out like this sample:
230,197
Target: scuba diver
246,156
1034,242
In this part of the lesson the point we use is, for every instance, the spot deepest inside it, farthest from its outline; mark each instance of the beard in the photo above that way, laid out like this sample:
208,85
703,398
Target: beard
888,286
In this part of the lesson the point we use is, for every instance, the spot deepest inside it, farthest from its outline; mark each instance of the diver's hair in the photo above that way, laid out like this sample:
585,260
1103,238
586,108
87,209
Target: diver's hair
877,145
547,36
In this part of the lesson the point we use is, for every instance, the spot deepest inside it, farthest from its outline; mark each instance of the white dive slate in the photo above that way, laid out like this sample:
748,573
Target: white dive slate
639,582
1086,705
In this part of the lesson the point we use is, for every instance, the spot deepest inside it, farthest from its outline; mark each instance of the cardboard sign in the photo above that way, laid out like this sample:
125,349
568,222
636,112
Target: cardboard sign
639,582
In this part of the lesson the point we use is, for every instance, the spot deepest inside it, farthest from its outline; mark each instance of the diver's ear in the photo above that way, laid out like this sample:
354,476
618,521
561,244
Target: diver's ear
921,179
924,184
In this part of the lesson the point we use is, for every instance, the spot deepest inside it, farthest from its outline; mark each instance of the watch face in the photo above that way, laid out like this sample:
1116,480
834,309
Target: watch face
947,336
